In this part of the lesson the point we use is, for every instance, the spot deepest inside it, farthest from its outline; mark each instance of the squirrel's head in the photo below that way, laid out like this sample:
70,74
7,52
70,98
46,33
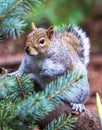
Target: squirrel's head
38,41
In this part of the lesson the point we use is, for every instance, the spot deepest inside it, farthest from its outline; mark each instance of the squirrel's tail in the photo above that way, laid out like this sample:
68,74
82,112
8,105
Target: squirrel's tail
83,49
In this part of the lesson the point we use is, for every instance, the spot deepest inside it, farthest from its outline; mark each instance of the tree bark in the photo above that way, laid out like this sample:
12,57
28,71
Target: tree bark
87,120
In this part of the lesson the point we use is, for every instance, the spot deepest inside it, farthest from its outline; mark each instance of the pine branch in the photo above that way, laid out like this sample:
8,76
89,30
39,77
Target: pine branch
12,15
34,108
13,27
56,90
37,106
6,114
10,10
63,88
25,113
14,88
10,7
64,122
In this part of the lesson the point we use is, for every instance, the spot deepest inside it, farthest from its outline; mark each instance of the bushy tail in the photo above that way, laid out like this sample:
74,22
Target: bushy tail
83,49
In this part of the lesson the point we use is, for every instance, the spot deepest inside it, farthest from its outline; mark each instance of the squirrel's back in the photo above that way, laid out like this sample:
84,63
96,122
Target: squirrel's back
75,37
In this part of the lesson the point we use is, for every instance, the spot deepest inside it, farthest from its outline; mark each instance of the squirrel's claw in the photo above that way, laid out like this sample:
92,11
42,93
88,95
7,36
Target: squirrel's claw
78,107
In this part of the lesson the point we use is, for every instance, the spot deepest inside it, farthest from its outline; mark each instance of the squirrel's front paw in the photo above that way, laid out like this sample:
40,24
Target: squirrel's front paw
10,74
78,107
14,73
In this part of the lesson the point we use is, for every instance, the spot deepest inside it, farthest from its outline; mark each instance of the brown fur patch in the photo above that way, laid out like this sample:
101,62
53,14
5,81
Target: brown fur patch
33,41
71,42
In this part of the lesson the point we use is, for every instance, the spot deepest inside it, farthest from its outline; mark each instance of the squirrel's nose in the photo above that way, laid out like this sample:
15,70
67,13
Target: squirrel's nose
27,49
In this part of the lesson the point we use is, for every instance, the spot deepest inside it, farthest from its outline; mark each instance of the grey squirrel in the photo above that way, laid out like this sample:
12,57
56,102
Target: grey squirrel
51,52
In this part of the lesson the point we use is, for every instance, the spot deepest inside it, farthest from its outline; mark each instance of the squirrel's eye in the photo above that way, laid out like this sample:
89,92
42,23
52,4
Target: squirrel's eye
41,41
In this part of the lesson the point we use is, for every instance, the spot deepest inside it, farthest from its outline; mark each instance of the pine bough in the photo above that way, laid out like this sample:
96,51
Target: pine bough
21,107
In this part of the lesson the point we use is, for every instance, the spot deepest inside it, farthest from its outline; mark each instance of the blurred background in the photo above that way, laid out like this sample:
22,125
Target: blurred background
15,23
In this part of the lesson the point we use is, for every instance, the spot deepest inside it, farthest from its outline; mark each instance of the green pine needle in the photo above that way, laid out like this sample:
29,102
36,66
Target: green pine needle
13,27
7,112
13,88
63,123
36,106
55,91
12,13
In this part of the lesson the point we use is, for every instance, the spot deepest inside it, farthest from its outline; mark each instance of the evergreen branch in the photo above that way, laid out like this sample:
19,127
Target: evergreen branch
20,85
63,88
10,10
11,89
6,115
29,111
12,13
55,91
63,122
34,108
37,106
13,27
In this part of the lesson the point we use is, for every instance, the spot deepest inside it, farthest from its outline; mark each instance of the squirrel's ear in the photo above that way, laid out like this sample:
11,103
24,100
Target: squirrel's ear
33,26
50,31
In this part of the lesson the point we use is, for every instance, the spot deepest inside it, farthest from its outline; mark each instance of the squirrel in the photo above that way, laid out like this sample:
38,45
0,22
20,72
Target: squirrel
51,52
